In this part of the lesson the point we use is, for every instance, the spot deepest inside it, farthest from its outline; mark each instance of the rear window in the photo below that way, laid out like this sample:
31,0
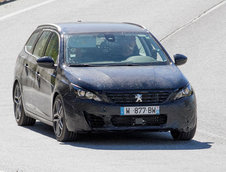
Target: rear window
31,42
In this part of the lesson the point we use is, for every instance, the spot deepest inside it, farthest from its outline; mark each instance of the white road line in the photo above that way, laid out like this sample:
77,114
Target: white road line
25,10
194,20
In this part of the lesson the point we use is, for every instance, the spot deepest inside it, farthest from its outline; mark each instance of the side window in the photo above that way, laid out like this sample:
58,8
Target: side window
30,43
53,47
41,44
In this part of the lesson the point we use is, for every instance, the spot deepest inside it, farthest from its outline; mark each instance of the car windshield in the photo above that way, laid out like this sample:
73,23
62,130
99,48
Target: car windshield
113,49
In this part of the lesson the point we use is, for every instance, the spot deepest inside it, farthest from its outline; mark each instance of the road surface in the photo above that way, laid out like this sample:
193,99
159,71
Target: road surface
196,28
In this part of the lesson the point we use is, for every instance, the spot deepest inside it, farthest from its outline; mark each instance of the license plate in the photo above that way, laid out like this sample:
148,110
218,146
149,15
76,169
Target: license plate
140,110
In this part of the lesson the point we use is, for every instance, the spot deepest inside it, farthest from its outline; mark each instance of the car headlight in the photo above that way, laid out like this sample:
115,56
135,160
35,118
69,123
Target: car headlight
80,92
184,92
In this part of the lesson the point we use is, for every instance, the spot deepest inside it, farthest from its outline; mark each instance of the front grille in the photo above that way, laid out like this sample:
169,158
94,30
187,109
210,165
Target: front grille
147,97
94,121
152,120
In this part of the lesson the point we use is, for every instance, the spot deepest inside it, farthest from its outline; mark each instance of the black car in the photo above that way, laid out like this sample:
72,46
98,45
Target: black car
97,77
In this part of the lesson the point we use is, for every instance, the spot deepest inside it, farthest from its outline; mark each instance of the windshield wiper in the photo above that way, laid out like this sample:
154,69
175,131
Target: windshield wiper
107,64
125,64
80,65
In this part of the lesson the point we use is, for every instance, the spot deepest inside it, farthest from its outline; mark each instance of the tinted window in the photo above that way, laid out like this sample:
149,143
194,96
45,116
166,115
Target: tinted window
41,44
53,47
30,43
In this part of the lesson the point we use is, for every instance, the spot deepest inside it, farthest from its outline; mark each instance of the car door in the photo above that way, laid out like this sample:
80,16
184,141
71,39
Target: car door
28,74
34,96
46,82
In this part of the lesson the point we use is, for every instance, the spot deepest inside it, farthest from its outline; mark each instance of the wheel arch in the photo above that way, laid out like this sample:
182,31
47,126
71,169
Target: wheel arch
54,97
14,84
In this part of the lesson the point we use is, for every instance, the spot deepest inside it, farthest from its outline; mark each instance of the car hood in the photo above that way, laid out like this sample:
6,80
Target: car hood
126,77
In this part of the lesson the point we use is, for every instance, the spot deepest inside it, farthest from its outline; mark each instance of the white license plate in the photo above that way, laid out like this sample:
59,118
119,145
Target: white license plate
140,110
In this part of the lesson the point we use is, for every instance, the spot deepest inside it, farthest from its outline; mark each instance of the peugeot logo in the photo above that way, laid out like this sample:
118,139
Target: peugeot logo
138,97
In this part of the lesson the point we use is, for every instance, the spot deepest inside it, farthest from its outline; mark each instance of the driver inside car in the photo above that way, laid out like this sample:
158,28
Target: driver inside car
129,47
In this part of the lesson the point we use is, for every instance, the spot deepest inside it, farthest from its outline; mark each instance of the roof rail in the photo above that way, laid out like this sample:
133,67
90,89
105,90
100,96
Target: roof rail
52,25
135,24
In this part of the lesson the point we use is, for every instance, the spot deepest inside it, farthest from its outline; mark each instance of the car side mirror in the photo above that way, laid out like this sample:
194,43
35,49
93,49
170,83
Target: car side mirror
46,62
180,59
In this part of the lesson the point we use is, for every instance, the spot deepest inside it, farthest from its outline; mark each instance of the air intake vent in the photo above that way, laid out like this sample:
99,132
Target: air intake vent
94,121
153,120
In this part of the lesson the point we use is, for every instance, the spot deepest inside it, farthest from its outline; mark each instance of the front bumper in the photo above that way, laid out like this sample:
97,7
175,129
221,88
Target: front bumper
88,115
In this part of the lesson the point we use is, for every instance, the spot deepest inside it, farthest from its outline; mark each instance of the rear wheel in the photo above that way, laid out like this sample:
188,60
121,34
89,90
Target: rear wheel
59,125
179,135
21,118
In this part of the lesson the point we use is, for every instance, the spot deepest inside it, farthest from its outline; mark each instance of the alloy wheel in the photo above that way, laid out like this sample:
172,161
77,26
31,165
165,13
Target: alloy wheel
58,115
17,103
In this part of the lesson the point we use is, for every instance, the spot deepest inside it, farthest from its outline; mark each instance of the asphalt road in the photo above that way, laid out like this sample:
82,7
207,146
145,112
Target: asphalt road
196,28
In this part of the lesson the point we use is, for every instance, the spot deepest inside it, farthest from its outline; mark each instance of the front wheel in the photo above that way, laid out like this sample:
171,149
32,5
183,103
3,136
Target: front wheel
180,135
59,125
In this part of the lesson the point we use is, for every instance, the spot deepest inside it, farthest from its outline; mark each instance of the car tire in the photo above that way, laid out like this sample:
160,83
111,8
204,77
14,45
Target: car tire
59,124
180,135
20,116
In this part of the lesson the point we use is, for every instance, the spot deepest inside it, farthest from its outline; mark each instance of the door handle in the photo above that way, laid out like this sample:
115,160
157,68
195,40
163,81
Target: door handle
26,68
38,75
38,78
